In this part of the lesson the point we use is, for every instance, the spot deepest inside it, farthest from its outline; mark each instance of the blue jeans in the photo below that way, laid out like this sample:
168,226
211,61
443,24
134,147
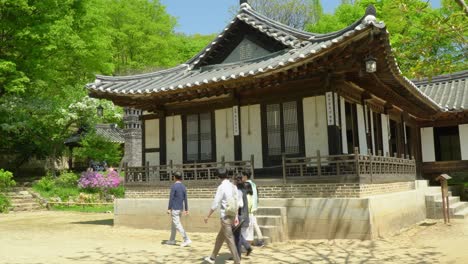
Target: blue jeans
240,241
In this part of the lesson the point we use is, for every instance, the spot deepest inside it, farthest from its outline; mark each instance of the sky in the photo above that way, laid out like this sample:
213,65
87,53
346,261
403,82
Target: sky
211,16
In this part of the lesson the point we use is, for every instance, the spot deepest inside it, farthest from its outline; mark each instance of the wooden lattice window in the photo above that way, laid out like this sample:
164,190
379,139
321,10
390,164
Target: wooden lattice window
199,137
283,131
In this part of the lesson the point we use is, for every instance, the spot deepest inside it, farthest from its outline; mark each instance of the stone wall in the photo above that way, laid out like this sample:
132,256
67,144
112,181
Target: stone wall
308,218
325,190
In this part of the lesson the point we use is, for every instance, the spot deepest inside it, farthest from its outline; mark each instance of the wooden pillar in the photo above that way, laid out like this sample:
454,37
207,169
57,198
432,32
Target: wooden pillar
333,123
162,139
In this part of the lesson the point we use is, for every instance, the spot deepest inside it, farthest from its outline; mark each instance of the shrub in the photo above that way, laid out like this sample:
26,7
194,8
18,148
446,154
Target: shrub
95,180
4,203
118,192
67,179
6,180
46,184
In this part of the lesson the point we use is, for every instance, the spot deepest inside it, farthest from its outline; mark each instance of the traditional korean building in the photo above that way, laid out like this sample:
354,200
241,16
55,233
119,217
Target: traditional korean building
444,138
328,116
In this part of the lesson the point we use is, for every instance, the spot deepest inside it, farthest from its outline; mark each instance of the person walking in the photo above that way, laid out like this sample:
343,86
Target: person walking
240,231
177,202
254,207
228,201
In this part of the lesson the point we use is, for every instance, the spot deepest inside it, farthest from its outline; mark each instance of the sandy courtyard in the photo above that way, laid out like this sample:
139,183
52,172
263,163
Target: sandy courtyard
64,237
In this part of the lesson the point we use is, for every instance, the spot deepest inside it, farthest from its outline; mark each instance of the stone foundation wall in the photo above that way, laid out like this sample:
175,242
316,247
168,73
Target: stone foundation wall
307,218
328,190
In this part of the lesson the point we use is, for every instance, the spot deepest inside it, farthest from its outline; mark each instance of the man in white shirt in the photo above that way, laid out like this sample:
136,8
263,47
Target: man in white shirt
226,191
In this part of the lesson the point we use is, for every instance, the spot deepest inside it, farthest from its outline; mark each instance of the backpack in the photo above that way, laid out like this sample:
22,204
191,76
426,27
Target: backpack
232,204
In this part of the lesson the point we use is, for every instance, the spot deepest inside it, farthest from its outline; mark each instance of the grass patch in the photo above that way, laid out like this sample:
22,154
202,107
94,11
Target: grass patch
81,208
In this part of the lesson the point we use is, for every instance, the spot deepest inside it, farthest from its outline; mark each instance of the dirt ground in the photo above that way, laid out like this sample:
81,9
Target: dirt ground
65,237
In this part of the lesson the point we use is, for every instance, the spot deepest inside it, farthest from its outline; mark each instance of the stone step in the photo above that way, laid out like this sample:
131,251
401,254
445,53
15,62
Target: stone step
269,220
457,207
27,207
461,214
435,196
272,211
452,200
23,201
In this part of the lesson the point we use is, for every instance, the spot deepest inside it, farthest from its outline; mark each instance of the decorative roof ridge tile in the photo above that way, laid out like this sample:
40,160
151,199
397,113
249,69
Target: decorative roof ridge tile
238,63
143,75
449,77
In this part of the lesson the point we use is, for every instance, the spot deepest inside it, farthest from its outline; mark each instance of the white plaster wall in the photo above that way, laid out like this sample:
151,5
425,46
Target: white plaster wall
427,144
344,138
152,158
463,130
251,134
174,139
361,129
315,125
224,134
152,133
386,147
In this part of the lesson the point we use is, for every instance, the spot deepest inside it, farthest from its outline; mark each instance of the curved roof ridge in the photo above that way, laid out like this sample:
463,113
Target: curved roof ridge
143,75
448,77
253,60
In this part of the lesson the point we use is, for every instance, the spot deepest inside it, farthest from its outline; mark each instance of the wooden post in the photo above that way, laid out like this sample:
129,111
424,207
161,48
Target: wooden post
147,171
301,169
319,164
356,160
195,170
223,161
445,197
371,168
126,172
252,167
283,156
169,173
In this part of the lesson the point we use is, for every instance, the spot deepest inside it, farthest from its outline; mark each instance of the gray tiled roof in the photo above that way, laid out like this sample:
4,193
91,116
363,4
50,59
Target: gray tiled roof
111,132
301,47
450,90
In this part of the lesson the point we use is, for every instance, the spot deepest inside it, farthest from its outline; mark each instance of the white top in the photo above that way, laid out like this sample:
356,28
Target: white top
225,190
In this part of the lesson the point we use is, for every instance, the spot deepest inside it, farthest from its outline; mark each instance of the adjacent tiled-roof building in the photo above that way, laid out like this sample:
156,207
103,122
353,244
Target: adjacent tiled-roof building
450,90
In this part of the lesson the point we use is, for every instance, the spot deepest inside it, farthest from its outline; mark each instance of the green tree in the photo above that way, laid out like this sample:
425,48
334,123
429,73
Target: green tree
95,147
294,13
425,41
141,33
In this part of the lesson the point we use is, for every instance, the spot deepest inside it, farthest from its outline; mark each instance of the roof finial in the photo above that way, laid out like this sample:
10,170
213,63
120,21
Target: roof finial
370,10
370,15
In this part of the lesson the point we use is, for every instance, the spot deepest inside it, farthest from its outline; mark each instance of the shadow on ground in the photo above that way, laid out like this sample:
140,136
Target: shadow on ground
108,222
280,253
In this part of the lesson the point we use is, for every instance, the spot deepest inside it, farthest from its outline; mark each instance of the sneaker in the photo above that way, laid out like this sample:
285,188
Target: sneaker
249,250
260,243
186,243
209,260
170,242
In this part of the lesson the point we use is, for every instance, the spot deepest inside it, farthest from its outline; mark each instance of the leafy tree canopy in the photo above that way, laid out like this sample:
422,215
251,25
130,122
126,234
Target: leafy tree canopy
294,13
49,49
426,41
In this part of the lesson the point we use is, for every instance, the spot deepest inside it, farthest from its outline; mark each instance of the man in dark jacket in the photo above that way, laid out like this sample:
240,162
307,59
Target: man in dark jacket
177,200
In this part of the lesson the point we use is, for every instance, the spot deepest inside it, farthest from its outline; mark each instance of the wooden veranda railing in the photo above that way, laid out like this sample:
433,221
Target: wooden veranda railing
190,171
354,167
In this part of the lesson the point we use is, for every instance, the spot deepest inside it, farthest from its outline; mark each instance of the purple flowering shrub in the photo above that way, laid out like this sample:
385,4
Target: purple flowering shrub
96,180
